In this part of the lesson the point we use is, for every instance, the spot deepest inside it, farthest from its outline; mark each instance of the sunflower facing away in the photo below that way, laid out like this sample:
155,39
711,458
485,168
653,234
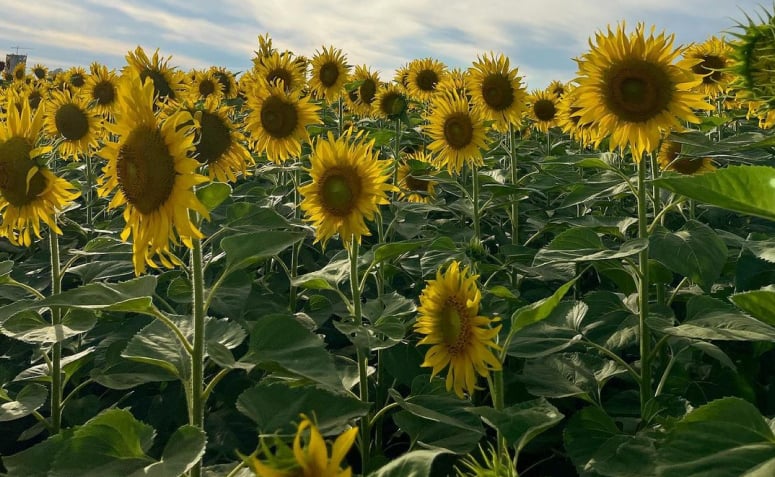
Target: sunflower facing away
456,131
448,316
361,98
496,91
29,192
278,121
412,187
670,159
219,143
310,460
714,59
330,72
542,109
152,175
423,77
167,81
70,121
101,89
348,185
628,85
753,59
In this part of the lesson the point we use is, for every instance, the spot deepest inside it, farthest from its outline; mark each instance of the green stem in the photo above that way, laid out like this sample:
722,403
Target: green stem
475,203
196,395
514,180
396,154
363,360
56,352
643,290
498,399
296,249
214,382
89,187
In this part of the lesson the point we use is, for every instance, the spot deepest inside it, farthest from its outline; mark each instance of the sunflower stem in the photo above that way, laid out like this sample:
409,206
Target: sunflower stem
56,352
196,394
396,154
514,179
89,187
340,123
643,290
363,371
475,203
296,249
498,399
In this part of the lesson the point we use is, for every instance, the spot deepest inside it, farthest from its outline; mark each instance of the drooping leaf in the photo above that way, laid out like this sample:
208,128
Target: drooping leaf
521,423
28,400
581,244
535,312
247,249
758,303
416,463
213,194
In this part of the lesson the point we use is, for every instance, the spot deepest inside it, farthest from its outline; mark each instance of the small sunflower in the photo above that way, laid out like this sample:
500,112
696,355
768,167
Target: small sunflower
279,67
455,80
167,81
76,77
390,102
423,78
542,109
670,159
568,120
265,48
227,81
348,185
330,72
29,191
19,73
361,98
401,76
628,85
153,177
40,71
311,460
219,143
457,132
557,88
497,91
36,92
413,188
278,121
205,85
460,338
101,89
713,60
71,123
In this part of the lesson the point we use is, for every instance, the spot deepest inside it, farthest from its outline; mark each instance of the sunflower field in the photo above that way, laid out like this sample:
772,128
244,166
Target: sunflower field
308,269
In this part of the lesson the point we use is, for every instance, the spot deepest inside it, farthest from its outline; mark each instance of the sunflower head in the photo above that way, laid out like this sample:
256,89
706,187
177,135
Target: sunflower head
557,88
461,339
364,93
19,73
423,78
542,109
218,142
167,81
457,132
101,90
671,159
279,68
227,81
70,122
569,121
753,59
414,188
204,85
76,77
40,71
390,102
330,72
497,91
713,59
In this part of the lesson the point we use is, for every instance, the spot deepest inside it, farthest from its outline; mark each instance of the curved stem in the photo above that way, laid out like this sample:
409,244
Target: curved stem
616,358
56,352
196,395
26,288
214,382
75,391
174,328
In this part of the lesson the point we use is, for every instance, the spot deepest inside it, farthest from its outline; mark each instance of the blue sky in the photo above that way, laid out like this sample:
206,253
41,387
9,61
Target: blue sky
541,37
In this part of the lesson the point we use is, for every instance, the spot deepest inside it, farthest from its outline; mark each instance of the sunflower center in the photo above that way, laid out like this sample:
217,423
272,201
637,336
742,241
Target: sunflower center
223,78
328,75
104,93
146,169
710,68
34,98
458,130
636,91
454,325
415,184
353,95
340,190
214,138
15,164
19,74
427,80
71,122
544,109
684,165
393,104
282,75
497,92
367,91
206,88
77,80
160,84
278,118
39,73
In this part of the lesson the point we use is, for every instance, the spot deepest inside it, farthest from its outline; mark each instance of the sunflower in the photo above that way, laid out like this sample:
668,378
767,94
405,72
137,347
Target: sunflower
29,191
76,77
330,72
167,81
279,67
423,77
228,83
457,132
348,185
670,159
542,109
568,120
278,121
152,175
219,143
19,73
401,76
713,60
412,187
362,96
455,80
40,71
496,91
390,101
70,122
36,92
448,316
628,85
205,85
307,461
753,60
557,88
101,89
265,48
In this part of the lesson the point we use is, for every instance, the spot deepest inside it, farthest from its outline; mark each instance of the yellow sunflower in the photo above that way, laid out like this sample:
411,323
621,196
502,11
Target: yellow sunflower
228,83
36,92
219,143
557,88
585,134
40,71
361,98
167,81
423,77
19,73
455,80
265,48
448,316
497,91
714,59
348,185
401,76
311,460
390,101
101,89
457,132
330,72
670,159
76,77
542,109
278,121
279,67
205,85
71,123
413,188
150,170
29,191
628,85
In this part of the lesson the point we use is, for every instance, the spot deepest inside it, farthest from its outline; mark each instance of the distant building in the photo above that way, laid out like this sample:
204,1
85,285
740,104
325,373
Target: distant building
11,60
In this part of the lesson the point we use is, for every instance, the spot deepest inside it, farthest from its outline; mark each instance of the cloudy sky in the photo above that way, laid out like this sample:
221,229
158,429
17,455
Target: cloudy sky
541,37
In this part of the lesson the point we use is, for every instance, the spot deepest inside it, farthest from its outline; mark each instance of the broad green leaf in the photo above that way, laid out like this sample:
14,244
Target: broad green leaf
36,461
745,189
569,374
388,251
213,194
535,312
725,438
253,216
559,331
247,249
416,463
276,407
185,447
30,327
580,244
764,249
759,303
327,278
521,423
127,374
695,251
29,399
70,364
157,345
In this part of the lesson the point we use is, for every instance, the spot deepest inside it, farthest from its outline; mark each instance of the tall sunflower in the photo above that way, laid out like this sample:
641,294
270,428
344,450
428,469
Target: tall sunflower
362,97
101,89
71,123
542,109
36,92
40,71
670,158
29,191
153,177
348,185
413,188
390,101
497,91
278,121
311,460
457,132
713,58
219,143
629,85
330,72
279,67
423,77
460,338
167,81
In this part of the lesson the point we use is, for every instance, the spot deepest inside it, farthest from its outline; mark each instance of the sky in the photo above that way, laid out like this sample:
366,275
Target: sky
540,37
